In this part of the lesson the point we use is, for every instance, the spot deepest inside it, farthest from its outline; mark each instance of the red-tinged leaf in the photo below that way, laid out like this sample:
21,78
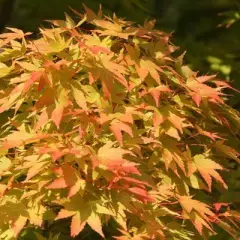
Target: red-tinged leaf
35,76
42,120
156,95
76,12
68,178
117,128
58,154
111,157
148,66
158,118
176,121
130,168
15,34
201,90
197,222
91,78
149,24
57,114
142,193
142,72
18,88
224,84
218,206
190,204
107,86
95,223
46,99
19,224
99,49
197,99
135,181
147,140
55,65
58,184
76,225
206,78
43,81
112,70
211,135
19,138
63,213
155,92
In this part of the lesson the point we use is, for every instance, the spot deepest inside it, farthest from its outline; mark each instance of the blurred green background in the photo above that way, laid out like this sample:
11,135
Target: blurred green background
195,23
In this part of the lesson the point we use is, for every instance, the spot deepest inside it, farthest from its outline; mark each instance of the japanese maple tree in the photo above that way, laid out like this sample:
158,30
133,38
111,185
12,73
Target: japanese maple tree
105,131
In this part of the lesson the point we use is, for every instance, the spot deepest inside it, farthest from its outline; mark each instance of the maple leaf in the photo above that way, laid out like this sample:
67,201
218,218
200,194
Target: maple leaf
201,90
37,76
207,168
117,127
145,67
15,34
80,216
227,150
28,66
197,211
91,94
42,120
211,135
76,225
80,98
19,224
36,212
176,121
111,156
60,105
109,70
205,78
18,138
141,193
57,114
171,154
46,99
156,92
127,167
218,206
171,131
95,223
68,178
224,84
113,27
90,14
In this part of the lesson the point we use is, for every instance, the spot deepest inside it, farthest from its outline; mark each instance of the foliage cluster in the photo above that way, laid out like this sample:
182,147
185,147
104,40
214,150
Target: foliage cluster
210,48
105,131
